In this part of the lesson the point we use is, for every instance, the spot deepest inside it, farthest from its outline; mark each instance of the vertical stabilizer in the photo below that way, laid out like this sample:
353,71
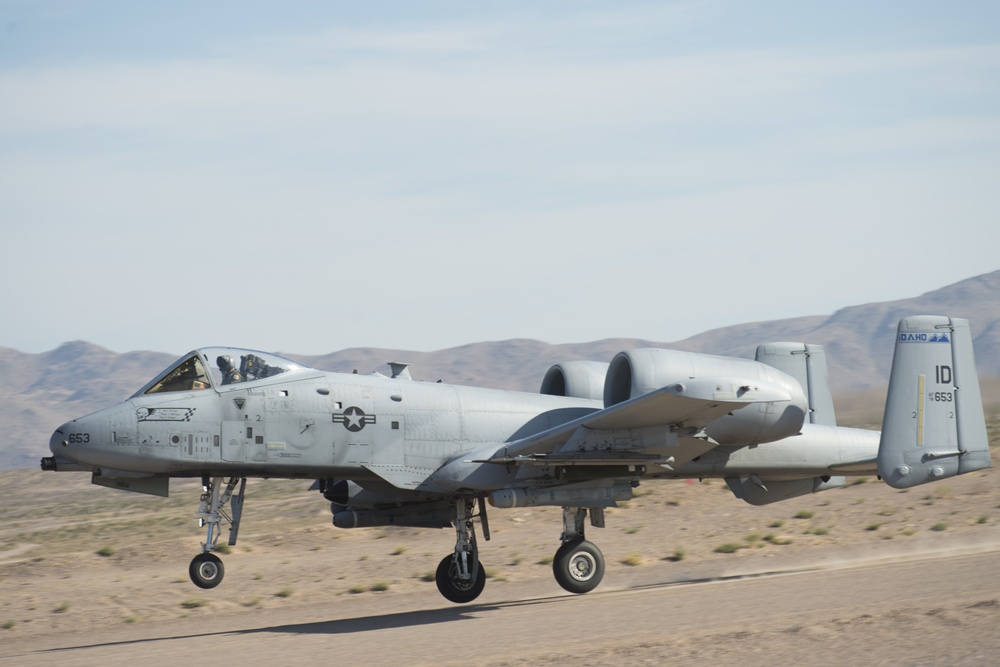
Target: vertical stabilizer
933,425
807,364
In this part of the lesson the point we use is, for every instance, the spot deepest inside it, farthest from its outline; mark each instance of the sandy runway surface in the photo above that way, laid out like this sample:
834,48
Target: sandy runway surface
863,575
928,609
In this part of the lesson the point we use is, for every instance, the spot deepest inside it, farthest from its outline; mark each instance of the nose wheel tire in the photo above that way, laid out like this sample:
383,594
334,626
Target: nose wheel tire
206,570
455,589
578,566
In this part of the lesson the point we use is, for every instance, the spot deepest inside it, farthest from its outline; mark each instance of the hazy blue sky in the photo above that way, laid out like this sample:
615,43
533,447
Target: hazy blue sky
310,176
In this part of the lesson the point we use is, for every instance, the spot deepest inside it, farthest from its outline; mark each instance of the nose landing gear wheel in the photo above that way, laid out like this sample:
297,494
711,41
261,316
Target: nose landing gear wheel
578,566
455,589
206,570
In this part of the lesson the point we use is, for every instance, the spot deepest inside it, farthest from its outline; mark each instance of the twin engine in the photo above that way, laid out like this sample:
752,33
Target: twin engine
636,372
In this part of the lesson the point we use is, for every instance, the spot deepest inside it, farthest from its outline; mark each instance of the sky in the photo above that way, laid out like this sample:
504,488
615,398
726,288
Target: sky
306,177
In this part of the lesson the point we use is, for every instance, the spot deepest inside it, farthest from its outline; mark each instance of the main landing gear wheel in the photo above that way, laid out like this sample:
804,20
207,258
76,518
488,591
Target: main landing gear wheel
578,566
206,570
455,589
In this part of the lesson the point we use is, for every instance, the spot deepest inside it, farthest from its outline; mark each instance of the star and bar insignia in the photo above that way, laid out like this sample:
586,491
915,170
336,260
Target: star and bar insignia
354,419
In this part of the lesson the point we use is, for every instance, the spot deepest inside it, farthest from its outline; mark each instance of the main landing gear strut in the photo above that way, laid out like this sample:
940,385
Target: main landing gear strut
206,568
578,565
460,576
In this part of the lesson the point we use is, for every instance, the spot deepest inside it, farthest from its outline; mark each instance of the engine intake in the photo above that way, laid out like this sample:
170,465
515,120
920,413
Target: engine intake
576,379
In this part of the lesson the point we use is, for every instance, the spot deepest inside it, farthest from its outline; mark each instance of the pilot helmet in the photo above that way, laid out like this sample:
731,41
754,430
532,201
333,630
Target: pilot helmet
224,362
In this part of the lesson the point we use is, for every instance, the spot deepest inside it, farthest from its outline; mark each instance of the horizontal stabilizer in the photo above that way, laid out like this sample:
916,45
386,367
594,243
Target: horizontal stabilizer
934,425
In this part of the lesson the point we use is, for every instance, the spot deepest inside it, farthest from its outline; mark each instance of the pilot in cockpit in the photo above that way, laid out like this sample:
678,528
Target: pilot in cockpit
230,374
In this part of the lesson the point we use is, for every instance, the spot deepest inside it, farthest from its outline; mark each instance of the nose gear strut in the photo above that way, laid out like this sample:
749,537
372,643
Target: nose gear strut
206,568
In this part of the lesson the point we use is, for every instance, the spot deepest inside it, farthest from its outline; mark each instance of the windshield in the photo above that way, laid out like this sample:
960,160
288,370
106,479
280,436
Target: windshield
188,375
217,367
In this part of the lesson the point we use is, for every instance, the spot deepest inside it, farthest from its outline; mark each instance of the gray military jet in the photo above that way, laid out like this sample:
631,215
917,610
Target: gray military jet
392,451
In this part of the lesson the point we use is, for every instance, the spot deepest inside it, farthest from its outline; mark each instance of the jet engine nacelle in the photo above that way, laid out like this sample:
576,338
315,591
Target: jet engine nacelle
576,379
637,372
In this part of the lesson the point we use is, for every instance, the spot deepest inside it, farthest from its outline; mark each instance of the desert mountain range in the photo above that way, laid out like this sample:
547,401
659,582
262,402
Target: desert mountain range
41,391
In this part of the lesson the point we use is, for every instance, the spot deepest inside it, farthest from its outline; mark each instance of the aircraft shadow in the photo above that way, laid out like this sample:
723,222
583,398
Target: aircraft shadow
346,626
420,617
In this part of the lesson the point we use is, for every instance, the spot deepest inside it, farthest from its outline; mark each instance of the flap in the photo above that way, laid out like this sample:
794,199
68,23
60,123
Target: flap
691,404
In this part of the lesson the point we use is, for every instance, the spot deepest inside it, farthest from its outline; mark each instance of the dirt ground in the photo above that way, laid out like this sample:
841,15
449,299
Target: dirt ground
77,560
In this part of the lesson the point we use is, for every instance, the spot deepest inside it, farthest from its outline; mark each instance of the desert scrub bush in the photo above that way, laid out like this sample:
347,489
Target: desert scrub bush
752,537
817,530
939,526
379,587
61,609
194,603
804,514
356,589
105,552
9,625
678,555
873,526
983,519
284,593
398,551
772,538
728,548
223,548
428,576
633,559
632,530
777,523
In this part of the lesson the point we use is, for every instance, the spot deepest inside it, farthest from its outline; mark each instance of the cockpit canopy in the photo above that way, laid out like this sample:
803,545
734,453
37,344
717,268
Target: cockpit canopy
215,367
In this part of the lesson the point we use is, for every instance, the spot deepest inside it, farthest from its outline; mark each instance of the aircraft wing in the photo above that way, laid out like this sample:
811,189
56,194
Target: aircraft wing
690,405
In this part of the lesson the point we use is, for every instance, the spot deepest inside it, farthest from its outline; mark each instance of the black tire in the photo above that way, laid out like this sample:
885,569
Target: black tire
206,570
578,566
453,588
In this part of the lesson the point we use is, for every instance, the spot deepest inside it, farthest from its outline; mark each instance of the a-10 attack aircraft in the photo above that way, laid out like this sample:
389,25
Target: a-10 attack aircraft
392,451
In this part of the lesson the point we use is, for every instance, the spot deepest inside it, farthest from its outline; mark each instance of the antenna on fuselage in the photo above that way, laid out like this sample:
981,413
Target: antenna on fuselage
400,370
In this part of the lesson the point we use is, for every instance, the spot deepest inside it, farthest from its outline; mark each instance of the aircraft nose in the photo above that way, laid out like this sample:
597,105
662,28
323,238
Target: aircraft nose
59,442
80,438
